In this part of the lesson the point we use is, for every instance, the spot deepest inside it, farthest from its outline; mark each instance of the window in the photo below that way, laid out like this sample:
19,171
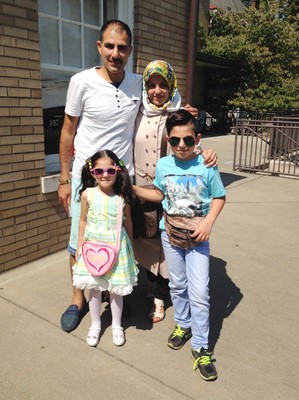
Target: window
68,31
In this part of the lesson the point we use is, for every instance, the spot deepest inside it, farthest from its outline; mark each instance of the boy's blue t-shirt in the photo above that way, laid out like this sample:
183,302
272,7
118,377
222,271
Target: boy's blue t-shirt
188,186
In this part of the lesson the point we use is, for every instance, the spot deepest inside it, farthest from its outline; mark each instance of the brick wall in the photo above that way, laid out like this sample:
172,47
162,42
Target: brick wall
161,32
32,224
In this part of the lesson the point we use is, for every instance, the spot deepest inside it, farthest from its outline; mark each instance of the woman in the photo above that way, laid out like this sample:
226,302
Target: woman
160,97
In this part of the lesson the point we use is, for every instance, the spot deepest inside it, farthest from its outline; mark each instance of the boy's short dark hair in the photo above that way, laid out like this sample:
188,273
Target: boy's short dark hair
180,118
122,25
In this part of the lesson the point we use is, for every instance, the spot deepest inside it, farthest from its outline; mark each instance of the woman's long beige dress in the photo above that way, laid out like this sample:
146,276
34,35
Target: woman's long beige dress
150,144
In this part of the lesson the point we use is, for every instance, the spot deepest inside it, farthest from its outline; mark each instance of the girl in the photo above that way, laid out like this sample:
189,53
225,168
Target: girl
104,180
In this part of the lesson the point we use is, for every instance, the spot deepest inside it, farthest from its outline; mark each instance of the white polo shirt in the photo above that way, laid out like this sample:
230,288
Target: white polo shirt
107,116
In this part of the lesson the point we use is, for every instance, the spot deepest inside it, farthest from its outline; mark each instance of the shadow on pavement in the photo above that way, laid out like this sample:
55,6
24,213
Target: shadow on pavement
227,179
139,307
224,298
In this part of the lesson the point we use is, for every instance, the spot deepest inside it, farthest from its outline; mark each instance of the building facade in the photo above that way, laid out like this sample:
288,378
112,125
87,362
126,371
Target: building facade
42,44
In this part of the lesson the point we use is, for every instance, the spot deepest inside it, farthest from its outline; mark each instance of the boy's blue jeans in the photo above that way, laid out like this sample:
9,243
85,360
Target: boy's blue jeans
189,288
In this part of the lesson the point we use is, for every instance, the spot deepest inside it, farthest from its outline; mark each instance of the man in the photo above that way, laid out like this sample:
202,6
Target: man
101,107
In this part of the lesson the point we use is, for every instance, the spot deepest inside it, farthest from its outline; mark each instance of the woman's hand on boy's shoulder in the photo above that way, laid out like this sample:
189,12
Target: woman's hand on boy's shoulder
192,110
210,158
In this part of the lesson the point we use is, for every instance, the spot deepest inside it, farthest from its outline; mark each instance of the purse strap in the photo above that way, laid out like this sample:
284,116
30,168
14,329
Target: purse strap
119,221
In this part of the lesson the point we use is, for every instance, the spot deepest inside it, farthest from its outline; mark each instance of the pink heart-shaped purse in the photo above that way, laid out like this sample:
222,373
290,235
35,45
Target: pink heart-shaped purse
99,257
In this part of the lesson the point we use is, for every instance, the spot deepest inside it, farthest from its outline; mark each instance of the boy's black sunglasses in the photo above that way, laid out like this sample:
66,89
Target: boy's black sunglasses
188,140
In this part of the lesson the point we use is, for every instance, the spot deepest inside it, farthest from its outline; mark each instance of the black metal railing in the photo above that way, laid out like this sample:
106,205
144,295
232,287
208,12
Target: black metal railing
268,146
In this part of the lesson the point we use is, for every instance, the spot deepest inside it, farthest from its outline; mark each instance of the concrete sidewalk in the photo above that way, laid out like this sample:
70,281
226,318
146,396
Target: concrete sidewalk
254,314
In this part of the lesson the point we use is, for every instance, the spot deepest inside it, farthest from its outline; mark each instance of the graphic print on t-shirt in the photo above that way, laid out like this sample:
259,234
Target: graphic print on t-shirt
183,194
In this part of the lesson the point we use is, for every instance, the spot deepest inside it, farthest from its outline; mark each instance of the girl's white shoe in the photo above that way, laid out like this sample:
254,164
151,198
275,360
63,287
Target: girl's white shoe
93,336
118,336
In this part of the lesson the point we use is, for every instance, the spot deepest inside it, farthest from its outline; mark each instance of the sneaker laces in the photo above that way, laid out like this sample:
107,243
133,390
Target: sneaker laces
204,359
178,331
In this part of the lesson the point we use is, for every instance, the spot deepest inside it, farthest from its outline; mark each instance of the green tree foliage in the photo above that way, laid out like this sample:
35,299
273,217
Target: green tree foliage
264,43
289,9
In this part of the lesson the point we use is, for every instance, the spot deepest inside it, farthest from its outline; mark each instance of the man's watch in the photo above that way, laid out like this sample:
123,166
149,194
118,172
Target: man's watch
64,181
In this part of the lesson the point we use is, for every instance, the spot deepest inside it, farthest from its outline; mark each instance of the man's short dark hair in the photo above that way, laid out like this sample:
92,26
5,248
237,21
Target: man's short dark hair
121,25
180,118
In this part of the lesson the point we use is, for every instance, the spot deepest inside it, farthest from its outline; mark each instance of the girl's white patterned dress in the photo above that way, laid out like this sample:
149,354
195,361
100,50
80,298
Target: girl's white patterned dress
101,225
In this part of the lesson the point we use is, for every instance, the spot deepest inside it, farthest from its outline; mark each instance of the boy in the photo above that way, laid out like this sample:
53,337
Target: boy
188,188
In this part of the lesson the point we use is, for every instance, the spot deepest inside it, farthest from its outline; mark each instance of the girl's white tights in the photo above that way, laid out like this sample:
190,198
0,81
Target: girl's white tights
116,305
95,303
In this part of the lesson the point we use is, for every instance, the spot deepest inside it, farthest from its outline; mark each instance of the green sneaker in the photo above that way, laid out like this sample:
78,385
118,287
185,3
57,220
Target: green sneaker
179,337
204,364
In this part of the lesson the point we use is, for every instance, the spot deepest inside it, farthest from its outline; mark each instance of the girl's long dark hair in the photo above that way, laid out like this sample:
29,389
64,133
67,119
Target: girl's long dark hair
122,185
